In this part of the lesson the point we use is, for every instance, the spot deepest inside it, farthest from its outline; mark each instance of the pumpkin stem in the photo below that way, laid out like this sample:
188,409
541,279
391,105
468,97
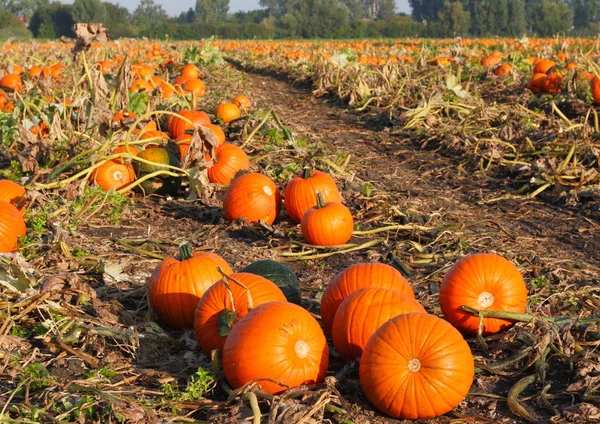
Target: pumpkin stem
229,277
306,172
320,201
185,250
19,203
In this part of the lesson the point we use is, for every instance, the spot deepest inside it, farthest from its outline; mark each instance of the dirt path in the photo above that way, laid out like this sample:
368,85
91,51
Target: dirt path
431,185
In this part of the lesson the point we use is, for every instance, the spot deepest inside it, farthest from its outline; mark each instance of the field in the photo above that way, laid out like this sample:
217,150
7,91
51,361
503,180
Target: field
440,149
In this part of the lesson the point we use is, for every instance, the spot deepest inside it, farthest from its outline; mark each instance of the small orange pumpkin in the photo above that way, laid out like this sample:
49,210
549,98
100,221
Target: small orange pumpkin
229,160
113,175
254,197
177,126
227,112
327,224
12,82
301,192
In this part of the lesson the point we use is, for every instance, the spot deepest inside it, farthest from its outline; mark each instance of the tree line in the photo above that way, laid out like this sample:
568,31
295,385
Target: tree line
307,19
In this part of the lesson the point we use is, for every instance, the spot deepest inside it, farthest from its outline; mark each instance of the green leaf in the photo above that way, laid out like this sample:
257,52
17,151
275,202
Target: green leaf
226,320
138,103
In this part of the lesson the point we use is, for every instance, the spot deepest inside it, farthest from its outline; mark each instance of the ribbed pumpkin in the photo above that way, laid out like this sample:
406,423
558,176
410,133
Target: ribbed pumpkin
301,192
14,194
227,112
12,226
230,159
215,315
177,284
242,101
354,278
362,313
279,345
159,184
482,281
416,366
177,126
327,224
542,66
254,197
113,175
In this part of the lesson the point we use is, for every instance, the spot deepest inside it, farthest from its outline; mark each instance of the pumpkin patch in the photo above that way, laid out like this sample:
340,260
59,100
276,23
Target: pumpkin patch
343,199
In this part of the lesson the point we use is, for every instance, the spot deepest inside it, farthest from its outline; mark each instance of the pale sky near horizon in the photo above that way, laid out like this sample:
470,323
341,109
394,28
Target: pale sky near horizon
175,7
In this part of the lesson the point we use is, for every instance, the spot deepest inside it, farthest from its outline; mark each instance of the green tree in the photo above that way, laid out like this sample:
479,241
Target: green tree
148,14
52,21
118,24
517,24
549,17
89,11
585,12
426,10
356,10
454,18
213,11
24,8
388,9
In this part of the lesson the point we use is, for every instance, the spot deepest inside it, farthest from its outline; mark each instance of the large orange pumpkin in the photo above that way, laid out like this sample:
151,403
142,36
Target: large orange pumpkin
301,192
13,193
354,278
362,313
12,82
416,366
177,284
12,226
482,281
254,197
279,345
595,87
230,159
215,315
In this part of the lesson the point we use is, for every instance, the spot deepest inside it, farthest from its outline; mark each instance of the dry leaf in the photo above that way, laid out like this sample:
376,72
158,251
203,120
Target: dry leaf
86,33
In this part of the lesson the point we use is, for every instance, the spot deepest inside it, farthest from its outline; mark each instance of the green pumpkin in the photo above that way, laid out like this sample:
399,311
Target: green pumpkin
281,275
160,184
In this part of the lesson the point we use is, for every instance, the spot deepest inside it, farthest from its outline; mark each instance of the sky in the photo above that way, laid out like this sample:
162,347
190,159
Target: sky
175,7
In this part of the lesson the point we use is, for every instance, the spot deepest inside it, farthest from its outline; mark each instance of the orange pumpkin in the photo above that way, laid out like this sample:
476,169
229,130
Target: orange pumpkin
215,315
177,284
482,281
279,345
227,112
218,132
12,82
177,126
327,224
595,87
14,194
542,66
242,101
190,71
196,87
254,197
362,313
113,175
229,160
536,84
12,227
416,366
354,278
503,70
301,192
552,83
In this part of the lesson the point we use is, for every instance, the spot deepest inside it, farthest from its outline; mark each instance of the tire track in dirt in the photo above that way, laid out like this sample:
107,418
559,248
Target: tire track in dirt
433,185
